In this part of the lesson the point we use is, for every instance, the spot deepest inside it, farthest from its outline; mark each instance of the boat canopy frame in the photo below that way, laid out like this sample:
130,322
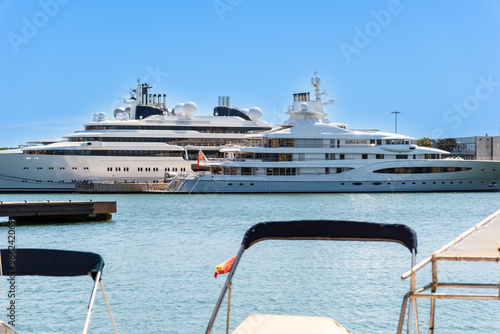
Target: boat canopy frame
319,230
52,262
480,243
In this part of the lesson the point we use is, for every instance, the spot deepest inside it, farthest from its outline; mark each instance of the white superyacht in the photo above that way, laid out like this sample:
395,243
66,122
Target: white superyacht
310,153
144,142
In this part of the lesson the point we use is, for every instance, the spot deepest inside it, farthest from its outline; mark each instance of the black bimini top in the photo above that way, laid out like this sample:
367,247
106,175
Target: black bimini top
49,262
331,230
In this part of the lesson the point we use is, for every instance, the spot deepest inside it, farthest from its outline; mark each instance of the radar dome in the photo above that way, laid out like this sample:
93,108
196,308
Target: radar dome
255,114
304,107
128,110
101,117
245,110
179,109
118,110
122,116
190,109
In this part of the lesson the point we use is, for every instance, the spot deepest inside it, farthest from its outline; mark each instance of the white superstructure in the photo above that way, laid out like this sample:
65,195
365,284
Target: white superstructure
144,142
310,153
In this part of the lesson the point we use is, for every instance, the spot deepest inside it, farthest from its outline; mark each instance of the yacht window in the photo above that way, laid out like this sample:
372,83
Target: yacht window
379,141
285,157
421,170
246,171
342,156
364,156
401,156
380,156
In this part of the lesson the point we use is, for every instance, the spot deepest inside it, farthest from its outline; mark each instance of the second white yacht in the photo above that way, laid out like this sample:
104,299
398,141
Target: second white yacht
310,153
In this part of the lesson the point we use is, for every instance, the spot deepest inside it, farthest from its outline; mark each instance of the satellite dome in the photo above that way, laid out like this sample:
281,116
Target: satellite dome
118,110
122,116
96,116
304,107
245,110
255,114
179,109
190,109
101,117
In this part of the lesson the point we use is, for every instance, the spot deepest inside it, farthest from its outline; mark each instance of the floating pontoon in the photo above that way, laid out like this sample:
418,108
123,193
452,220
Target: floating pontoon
48,262
308,230
481,243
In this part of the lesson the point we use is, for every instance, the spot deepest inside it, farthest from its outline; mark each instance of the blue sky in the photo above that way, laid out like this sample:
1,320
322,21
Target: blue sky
436,62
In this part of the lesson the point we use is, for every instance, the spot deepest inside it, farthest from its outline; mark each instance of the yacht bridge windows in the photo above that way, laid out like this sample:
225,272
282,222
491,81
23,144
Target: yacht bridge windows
202,129
127,153
331,143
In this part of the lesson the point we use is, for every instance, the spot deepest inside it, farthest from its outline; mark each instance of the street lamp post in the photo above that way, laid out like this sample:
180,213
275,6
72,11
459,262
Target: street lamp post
396,120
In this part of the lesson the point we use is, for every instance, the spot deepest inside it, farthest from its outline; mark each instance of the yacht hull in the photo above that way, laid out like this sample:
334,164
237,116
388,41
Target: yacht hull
48,173
482,176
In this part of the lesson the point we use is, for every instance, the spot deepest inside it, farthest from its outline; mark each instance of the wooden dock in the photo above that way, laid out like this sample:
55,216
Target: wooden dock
57,211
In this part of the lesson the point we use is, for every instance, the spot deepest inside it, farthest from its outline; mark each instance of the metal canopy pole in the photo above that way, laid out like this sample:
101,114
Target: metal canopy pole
109,308
224,289
228,307
91,302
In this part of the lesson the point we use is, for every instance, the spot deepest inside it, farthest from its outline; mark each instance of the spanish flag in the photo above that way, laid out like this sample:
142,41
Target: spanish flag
200,156
224,267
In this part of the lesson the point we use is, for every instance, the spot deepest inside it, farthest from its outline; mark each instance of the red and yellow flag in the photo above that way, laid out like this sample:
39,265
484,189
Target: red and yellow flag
224,267
200,156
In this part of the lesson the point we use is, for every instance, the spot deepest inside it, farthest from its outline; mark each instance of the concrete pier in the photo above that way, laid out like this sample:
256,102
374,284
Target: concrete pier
118,187
56,211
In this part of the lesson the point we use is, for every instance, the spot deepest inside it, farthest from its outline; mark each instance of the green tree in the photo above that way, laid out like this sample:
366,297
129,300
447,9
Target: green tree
425,142
446,144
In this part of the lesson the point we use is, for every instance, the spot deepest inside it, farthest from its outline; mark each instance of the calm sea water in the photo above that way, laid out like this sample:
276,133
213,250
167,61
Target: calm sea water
161,252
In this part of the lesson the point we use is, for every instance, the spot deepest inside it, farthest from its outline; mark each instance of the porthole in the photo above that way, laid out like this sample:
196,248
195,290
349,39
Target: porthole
357,183
241,184
229,184
451,182
251,184
388,183
342,184
403,183
376,183
413,183
433,182
423,182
